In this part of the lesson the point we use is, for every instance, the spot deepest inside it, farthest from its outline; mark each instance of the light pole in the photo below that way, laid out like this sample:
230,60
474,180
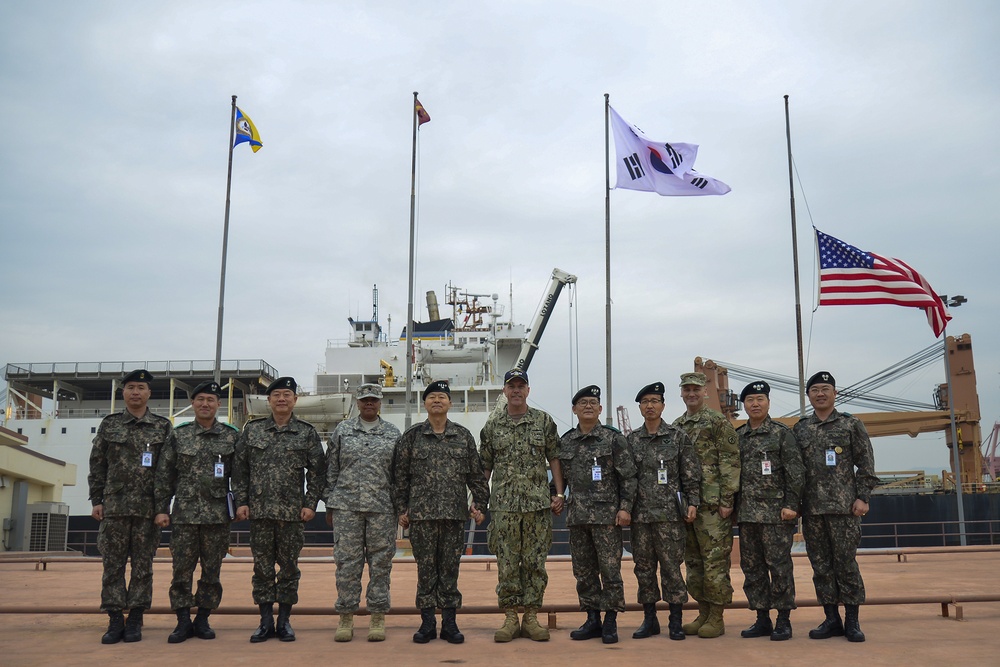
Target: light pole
954,302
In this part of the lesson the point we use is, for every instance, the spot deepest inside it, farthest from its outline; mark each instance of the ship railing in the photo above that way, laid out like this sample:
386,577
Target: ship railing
98,369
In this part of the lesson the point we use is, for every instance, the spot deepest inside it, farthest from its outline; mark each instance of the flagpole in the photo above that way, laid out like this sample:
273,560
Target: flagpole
409,304
607,256
795,265
225,245
956,460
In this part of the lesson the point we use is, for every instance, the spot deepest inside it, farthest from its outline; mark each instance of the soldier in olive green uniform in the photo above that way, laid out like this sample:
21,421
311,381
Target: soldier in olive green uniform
771,480
433,464
840,476
599,470
515,446
710,537
194,470
669,484
122,471
359,508
275,458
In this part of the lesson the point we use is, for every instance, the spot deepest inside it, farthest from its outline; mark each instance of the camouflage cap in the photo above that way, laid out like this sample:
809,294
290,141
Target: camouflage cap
823,377
138,375
369,390
282,383
693,378
591,391
656,389
515,374
438,386
210,387
756,387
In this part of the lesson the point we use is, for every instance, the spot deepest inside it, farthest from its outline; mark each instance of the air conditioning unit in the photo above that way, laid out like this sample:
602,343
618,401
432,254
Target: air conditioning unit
46,527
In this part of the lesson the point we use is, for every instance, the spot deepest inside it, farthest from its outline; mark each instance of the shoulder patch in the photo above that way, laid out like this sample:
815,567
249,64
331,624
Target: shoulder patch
611,428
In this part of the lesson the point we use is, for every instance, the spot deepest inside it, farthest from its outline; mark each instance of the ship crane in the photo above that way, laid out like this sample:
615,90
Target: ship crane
559,280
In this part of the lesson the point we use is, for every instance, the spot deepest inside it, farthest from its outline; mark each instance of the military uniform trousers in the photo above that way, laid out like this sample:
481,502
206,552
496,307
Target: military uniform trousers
832,546
521,542
119,539
659,544
596,551
437,547
707,556
189,544
276,542
359,538
766,561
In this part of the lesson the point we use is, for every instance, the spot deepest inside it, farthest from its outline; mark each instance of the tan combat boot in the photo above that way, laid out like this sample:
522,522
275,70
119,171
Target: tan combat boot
713,627
510,629
345,631
376,627
531,628
694,626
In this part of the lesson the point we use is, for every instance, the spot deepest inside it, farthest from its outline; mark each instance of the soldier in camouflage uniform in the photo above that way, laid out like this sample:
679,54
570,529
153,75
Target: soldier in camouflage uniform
276,458
359,507
122,471
771,478
599,470
710,537
515,446
840,476
669,484
433,464
194,470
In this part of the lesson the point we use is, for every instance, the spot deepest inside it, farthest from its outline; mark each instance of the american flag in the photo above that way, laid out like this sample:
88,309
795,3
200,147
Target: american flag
852,277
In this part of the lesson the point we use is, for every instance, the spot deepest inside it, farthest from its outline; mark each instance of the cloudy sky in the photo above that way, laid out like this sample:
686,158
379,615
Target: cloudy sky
116,123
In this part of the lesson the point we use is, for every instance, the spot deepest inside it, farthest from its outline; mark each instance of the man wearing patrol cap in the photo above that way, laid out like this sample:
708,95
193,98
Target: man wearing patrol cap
840,476
771,479
359,508
194,469
598,468
433,464
669,485
274,456
710,537
122,471
516,446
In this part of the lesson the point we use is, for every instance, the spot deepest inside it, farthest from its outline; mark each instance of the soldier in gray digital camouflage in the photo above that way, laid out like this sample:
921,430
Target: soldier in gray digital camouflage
707,555
194,470
433,465
360,510
840,476
122,471
667,498
516,446
599,471
771,479
278,478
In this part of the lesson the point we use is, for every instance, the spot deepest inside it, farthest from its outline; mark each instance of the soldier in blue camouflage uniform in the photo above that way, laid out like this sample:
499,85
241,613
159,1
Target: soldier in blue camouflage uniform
276,457
194,470
433,464
515,446
669,484
840,476
359,507
599,470
771,478
710,537
122,471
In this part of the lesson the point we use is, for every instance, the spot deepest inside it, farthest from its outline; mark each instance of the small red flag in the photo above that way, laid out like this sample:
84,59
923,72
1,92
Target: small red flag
422,115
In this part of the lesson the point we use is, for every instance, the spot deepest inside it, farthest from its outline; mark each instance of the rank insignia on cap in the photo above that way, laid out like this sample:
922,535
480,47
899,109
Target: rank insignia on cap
438,386
587,392
283,383
138,375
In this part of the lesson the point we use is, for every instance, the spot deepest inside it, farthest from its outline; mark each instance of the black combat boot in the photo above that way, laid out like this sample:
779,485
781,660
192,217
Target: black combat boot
783,626
591,628
852,628
761,627
650,624
133,626
184,628
609,630
832,626
266,628
282,627
116,628
202,630
674,627
428,626
449,629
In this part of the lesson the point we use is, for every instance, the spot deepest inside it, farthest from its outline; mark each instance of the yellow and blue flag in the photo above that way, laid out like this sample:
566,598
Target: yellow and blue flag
246,131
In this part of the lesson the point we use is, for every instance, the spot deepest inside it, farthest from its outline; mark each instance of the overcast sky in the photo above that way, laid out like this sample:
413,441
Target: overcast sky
116,121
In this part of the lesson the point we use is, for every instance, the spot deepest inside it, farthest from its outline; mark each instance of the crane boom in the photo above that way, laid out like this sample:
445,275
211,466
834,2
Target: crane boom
559,279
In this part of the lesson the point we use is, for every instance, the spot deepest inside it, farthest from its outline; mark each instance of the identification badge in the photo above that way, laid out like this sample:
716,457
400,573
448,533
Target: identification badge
831,457
661,476
765,467
147,459
595,473
220,470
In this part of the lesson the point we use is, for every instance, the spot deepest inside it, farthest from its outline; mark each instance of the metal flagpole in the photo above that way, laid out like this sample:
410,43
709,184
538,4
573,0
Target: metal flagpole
225,245
795,264
409,304
609,420
954,442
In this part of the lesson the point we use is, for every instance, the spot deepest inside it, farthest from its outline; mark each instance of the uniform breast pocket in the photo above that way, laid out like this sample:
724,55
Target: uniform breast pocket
298,454
459,459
